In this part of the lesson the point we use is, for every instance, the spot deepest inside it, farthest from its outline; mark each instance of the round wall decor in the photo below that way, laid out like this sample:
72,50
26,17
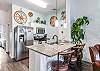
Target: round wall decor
52,20
30,14
20,17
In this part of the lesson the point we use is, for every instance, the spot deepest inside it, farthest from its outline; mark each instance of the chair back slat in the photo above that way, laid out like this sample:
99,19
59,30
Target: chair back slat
92,54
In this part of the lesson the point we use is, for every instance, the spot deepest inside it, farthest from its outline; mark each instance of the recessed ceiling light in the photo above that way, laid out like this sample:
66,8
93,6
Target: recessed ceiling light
39,3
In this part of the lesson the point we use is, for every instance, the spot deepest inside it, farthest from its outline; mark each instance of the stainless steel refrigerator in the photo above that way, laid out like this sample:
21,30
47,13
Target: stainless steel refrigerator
23,36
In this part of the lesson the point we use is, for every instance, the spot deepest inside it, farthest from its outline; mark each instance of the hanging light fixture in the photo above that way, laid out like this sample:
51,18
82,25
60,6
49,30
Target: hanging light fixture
65,17
56,22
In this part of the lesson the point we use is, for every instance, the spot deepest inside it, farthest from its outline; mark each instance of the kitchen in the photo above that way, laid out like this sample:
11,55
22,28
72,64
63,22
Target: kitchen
24,24
35,20
37,31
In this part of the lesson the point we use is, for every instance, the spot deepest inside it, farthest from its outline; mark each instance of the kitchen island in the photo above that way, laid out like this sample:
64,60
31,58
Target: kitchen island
41,54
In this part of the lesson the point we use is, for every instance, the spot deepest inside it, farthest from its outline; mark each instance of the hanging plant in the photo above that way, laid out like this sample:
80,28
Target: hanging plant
42,22
63,15
77,32
38,20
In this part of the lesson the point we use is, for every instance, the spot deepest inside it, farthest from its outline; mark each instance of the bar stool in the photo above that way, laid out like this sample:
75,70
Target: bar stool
65,64
62,66
78,52
71,59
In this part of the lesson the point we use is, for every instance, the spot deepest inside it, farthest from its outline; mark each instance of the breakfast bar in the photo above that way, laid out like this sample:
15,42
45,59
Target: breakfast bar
40,54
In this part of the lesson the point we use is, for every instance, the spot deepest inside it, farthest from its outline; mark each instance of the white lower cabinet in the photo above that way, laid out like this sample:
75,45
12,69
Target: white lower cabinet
39,62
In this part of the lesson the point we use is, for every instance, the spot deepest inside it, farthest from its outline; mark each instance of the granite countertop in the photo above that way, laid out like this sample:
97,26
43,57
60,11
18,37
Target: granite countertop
50,50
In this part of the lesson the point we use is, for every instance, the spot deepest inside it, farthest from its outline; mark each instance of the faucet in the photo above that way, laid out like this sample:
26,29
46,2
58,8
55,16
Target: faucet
56,39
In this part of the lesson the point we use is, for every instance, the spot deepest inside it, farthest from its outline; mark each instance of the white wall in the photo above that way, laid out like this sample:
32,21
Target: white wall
2,24
68,17
51,30
57,30
8,28
91,9
30,22
5,19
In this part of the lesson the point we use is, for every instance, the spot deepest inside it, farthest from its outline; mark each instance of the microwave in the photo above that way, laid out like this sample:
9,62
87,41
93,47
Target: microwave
40,30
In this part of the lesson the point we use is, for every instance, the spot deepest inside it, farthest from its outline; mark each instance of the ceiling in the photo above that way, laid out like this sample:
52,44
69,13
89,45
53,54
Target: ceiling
28,5
51,5
4,5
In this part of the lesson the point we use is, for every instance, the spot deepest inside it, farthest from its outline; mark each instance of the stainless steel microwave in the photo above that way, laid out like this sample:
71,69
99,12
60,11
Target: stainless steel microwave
40,30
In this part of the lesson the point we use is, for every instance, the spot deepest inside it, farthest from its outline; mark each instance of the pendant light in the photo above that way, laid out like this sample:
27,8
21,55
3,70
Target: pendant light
56,22
65,20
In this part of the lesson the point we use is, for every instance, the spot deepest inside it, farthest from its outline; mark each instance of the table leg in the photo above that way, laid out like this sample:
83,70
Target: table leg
58,61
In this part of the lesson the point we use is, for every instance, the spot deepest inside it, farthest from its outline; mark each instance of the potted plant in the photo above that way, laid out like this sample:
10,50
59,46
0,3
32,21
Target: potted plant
77,30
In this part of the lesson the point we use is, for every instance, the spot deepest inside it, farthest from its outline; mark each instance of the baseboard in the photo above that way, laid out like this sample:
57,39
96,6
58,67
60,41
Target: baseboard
13,59
7,53
86,62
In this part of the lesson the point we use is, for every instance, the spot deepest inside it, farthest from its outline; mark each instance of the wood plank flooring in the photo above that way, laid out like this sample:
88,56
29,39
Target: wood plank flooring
14,67
6,64
86,67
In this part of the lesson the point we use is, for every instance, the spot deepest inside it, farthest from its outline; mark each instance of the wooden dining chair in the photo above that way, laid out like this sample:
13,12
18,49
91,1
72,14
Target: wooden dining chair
95,57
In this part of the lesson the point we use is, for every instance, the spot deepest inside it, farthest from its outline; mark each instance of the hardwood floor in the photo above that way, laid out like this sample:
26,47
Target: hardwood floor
17,66
86,67
6,64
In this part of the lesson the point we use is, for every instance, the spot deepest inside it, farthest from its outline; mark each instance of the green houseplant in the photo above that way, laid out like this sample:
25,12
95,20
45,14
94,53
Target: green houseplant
77,32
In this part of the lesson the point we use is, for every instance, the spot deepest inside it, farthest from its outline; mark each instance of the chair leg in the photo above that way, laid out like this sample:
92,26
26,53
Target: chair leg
95,68
58,61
